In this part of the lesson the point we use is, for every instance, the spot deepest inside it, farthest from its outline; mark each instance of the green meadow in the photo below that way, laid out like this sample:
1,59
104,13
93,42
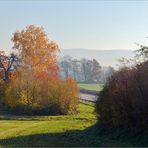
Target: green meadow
47,130
69,130
96,87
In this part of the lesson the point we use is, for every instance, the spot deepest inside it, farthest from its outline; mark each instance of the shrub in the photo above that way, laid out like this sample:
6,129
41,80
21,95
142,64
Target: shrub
124,100
29,95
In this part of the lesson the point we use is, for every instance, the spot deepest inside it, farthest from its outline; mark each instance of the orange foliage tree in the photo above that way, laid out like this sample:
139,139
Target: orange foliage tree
36,88
37,53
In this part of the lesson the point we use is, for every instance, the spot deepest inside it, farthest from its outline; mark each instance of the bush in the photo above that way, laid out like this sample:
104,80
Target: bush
124,100
29,95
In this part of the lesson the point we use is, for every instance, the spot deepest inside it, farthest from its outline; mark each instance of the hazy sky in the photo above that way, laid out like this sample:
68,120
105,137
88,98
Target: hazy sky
78,24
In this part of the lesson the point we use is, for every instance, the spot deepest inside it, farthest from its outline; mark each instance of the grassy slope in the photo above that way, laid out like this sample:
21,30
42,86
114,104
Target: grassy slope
46,130
70,130
97,87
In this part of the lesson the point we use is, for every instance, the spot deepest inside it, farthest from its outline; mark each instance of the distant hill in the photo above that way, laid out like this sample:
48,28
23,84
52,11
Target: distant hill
105,57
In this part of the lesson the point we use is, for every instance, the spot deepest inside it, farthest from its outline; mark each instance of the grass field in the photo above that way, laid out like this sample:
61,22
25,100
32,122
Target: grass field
71,130
46,130
97,87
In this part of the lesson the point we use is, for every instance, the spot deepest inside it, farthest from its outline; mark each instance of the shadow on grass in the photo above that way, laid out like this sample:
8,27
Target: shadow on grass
90,137
67,139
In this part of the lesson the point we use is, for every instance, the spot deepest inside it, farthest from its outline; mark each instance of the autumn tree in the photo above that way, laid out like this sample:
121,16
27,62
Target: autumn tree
7,65
36,51
36,88
31,96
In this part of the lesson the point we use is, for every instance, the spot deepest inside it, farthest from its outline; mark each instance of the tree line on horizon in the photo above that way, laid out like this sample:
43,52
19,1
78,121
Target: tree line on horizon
84,70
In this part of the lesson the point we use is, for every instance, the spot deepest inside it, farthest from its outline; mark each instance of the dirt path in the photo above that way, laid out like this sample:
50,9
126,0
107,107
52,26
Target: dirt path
88,97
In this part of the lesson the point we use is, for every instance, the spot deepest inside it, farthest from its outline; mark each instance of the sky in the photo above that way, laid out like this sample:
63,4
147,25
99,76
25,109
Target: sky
78,24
